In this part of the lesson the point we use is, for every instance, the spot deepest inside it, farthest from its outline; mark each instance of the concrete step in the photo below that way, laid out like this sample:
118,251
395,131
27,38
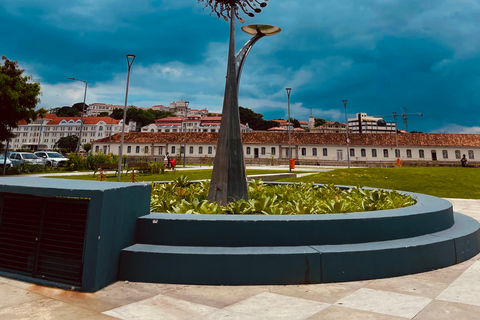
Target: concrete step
255,265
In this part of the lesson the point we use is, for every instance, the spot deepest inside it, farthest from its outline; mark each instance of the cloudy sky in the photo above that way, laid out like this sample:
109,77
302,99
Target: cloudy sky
380,55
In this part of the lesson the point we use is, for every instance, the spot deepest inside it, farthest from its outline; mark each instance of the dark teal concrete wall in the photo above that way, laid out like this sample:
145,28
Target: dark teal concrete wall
429,215
112,214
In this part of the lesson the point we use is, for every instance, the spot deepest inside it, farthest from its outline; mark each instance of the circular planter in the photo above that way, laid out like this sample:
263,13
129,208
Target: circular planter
258,249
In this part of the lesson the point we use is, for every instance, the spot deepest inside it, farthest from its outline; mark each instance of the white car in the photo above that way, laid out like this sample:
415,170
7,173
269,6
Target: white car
52,159
19,159
7,163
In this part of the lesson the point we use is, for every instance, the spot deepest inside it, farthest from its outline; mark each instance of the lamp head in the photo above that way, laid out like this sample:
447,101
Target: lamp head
288,90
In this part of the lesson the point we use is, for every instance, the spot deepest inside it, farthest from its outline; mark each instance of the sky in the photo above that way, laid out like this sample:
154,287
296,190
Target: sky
380,55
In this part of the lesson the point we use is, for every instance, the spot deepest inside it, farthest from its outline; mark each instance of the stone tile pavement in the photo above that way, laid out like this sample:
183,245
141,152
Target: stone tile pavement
449,293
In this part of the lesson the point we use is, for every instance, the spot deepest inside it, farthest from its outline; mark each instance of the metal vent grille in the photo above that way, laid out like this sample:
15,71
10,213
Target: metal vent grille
43,237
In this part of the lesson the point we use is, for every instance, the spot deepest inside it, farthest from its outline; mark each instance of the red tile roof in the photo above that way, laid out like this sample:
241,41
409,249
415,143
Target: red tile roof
54,120
304,138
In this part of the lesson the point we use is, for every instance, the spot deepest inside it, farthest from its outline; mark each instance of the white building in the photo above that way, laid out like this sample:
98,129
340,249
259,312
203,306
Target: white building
192,123
95,109
363,123
310,148
43,133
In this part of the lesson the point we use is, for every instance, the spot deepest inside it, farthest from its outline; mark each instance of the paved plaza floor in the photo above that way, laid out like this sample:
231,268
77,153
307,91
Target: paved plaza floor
449,293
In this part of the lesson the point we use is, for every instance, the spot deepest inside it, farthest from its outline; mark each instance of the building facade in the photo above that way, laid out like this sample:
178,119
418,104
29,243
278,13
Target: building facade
43,133
363,123
192,123
308,148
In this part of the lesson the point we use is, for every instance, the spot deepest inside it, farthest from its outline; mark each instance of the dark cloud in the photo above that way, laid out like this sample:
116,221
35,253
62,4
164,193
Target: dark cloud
380,55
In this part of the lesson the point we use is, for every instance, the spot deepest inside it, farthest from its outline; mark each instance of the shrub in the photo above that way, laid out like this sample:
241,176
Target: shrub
181,196
94,159
76,162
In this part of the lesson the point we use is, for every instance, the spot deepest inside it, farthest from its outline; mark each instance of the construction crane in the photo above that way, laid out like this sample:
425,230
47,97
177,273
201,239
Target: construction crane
404,115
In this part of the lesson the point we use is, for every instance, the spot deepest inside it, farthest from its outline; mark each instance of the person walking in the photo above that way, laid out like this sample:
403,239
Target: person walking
464,161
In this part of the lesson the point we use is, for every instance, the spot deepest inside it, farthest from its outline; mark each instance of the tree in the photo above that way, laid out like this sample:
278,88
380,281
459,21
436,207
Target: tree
18,98
255,120
79,107
319,122
66,112
103,114
140,116
69,143
295,122
87,147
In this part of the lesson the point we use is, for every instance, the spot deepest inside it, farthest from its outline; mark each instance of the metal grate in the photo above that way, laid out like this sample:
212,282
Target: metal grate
43,237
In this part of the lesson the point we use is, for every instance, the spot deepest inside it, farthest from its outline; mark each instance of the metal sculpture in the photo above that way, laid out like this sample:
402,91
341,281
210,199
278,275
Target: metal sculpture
229,178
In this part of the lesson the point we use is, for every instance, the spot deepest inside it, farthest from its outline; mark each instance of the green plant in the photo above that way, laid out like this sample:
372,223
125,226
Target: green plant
182,196
76,162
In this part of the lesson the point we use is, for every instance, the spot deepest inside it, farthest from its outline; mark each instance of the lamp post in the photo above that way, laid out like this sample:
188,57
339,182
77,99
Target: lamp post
346,130
288,130
396,136
130,59
83,111
185,137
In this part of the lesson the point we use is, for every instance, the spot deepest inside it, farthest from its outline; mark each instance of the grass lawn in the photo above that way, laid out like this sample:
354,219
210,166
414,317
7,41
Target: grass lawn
445,182
167,176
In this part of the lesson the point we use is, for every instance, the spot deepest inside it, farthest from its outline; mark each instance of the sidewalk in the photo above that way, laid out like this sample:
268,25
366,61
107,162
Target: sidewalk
449,293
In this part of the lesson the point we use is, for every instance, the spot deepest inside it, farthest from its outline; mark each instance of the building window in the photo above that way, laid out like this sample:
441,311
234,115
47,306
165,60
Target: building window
273,151
325,152
129,149
363,153
352,152
374,153
445,154
248,150
385,153
304,151
397,153
470,154
409,153
97,148
190,150
457,154
263,151
173,149
314,152
100,128
137,149
421,154
210,150
200,150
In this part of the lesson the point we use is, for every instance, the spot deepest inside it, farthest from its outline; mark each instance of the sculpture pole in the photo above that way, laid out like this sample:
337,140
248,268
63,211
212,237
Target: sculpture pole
229,179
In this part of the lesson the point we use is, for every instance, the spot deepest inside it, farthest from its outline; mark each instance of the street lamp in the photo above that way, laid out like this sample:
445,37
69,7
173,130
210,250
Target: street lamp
130,59
288,130
83,111
346,130
185,137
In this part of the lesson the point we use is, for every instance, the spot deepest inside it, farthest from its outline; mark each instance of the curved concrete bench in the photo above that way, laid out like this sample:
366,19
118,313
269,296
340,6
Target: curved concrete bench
236,250
428,215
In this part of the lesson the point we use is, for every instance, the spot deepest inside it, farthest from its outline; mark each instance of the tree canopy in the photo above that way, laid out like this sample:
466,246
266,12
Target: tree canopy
19,96
255,120
319,122
65,111
68,142
140,116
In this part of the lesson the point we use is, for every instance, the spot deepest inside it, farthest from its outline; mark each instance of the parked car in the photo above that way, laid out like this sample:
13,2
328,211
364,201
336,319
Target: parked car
52,159
8,163
19,159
